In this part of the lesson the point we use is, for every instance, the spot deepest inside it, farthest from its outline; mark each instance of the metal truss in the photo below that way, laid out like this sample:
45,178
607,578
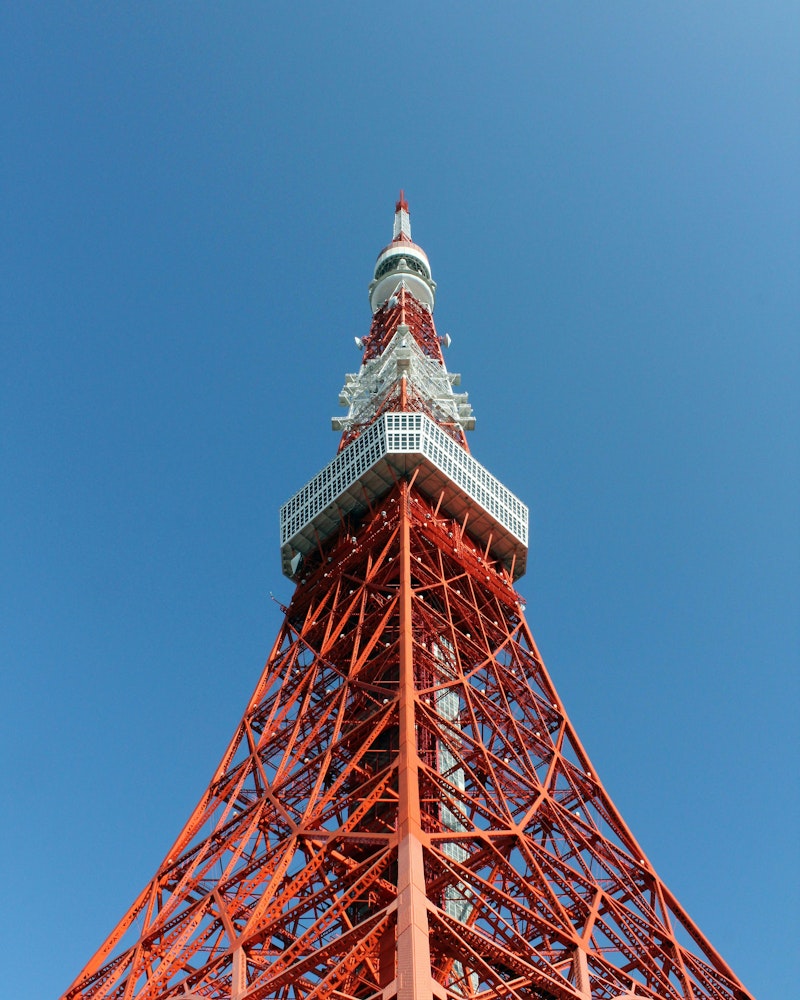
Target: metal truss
405,810
403,356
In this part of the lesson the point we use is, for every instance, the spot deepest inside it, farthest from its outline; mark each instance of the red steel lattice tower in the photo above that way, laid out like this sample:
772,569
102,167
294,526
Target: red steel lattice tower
405,809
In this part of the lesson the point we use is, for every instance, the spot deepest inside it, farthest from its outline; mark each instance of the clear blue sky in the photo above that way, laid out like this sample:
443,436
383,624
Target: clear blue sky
192,199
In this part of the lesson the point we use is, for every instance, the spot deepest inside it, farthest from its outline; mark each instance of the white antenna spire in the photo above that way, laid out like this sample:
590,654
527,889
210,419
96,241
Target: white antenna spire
402,221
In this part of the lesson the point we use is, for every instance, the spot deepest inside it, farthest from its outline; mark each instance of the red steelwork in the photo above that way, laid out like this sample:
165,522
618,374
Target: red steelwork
405,809
403,309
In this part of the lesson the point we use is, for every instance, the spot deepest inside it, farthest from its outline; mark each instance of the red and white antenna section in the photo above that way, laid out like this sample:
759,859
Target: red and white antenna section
365,390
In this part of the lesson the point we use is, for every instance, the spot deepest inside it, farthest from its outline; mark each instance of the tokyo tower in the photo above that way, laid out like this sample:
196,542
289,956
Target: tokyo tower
405,810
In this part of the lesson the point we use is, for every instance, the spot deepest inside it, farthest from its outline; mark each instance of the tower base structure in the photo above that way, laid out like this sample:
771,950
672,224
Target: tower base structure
405,811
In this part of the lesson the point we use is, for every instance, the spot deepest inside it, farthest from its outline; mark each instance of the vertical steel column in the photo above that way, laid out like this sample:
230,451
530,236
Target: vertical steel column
414,979
580,970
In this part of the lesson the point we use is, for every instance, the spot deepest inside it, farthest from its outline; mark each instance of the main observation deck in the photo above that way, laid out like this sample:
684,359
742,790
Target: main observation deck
392,447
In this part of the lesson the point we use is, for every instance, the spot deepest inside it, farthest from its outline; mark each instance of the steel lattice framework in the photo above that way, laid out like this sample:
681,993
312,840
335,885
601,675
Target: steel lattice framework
405,809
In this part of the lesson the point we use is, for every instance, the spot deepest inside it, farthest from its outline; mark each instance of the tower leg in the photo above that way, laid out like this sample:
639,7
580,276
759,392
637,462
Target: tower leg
580,972
238,974
414,977
413,951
